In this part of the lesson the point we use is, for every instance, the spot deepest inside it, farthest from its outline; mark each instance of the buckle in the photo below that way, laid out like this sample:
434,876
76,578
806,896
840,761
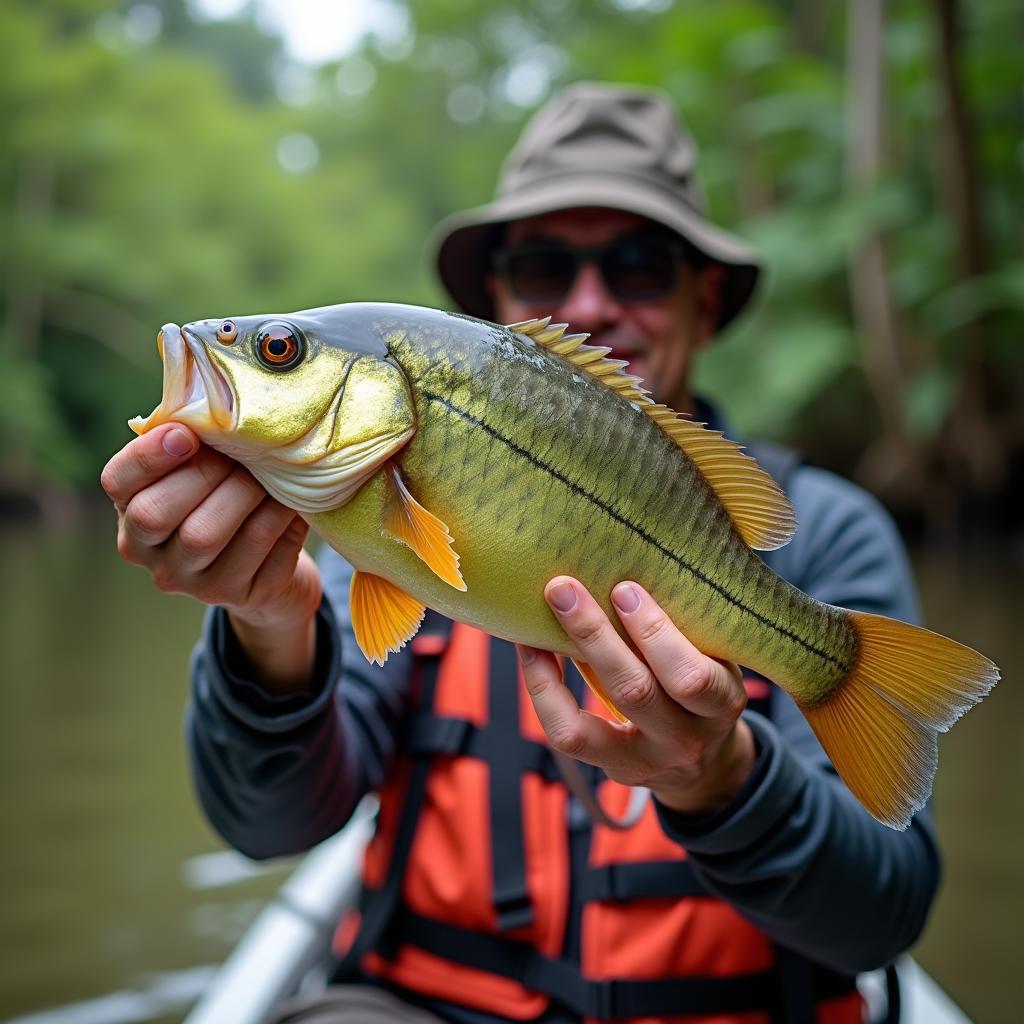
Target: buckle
513,909
434,735
606,999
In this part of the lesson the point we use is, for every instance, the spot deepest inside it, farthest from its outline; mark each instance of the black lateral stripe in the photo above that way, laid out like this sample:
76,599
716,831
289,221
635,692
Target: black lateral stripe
634,528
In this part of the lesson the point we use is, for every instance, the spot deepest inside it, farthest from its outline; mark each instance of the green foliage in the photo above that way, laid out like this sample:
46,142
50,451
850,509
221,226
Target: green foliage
143,180
33,428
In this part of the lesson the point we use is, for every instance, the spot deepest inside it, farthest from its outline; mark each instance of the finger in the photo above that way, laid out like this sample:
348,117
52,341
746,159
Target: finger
278,569
265,551
212,525
704,686
145,460
156,511
629,683
569,729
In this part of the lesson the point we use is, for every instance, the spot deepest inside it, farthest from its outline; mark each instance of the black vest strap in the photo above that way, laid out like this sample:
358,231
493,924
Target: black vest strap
437,734
380,913
797,984
508,755
658,879
508,853
605,1000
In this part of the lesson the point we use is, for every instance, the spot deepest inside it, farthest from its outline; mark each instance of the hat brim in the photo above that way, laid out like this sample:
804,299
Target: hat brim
462,241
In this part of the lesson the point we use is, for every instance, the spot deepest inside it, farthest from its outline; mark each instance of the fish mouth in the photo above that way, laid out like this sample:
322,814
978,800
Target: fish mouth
196,392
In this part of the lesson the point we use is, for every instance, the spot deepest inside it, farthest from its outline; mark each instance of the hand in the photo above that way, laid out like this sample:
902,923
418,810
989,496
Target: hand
685,739
201,525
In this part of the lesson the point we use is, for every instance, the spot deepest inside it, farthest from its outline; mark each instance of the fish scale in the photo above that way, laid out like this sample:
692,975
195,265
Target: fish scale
578,442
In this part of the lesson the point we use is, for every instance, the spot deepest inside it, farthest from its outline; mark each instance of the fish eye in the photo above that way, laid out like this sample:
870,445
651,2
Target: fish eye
227,332
279,346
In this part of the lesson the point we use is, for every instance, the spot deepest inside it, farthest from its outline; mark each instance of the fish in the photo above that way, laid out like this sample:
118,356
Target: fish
460,465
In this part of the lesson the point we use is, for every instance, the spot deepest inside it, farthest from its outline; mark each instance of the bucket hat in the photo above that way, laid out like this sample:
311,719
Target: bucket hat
599,145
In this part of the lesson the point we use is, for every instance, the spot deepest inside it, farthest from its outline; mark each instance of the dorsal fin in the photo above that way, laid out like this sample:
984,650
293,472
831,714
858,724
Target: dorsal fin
759,509
591,358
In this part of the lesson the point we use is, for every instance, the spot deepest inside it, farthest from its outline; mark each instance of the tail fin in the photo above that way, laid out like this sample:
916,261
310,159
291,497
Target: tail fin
880,725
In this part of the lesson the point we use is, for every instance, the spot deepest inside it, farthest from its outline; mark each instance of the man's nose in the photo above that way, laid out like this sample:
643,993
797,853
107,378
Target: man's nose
589,306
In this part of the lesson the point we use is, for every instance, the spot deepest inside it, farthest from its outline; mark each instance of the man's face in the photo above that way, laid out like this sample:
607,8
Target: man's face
656,335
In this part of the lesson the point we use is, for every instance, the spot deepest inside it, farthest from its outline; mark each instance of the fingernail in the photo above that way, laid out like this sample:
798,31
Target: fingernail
527,655
562,598
626,598
178,442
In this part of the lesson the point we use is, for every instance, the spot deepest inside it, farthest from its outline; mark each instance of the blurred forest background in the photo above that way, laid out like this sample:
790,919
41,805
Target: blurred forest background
158,166
161,164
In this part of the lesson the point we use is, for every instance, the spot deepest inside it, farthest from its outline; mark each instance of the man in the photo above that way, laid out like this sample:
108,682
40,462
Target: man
752,886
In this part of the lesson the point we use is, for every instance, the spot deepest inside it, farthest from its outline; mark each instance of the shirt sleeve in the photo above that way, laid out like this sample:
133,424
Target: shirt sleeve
276,776
795,852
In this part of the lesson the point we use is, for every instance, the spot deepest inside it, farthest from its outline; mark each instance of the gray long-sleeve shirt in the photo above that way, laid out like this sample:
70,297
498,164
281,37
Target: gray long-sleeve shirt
794,852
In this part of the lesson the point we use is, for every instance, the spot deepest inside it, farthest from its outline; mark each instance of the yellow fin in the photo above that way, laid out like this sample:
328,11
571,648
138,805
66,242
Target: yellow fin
599,691
591,358
880,725
384,616
407,520
759,510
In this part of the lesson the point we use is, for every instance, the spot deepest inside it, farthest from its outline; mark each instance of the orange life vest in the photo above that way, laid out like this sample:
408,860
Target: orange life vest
466,882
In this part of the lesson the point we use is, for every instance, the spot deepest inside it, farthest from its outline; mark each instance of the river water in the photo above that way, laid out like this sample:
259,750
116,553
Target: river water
114,906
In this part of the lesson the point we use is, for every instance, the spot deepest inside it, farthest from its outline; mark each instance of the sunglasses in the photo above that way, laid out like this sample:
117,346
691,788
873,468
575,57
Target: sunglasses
634,268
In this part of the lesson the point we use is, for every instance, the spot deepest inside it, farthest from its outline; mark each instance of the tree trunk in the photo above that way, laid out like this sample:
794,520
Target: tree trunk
960,180
972,434
888,462
810,25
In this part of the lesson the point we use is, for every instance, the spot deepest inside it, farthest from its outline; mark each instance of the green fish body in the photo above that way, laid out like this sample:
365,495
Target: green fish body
539,469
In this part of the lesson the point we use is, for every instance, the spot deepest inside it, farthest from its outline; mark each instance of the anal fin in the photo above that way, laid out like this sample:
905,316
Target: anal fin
407,520
384,617
590,677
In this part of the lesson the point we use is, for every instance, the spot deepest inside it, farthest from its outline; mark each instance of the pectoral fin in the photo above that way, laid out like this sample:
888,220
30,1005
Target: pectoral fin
384,616
590,676
407,520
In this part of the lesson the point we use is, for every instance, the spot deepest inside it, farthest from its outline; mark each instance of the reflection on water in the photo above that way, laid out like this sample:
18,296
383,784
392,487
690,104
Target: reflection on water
100,822
972,944
98,814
